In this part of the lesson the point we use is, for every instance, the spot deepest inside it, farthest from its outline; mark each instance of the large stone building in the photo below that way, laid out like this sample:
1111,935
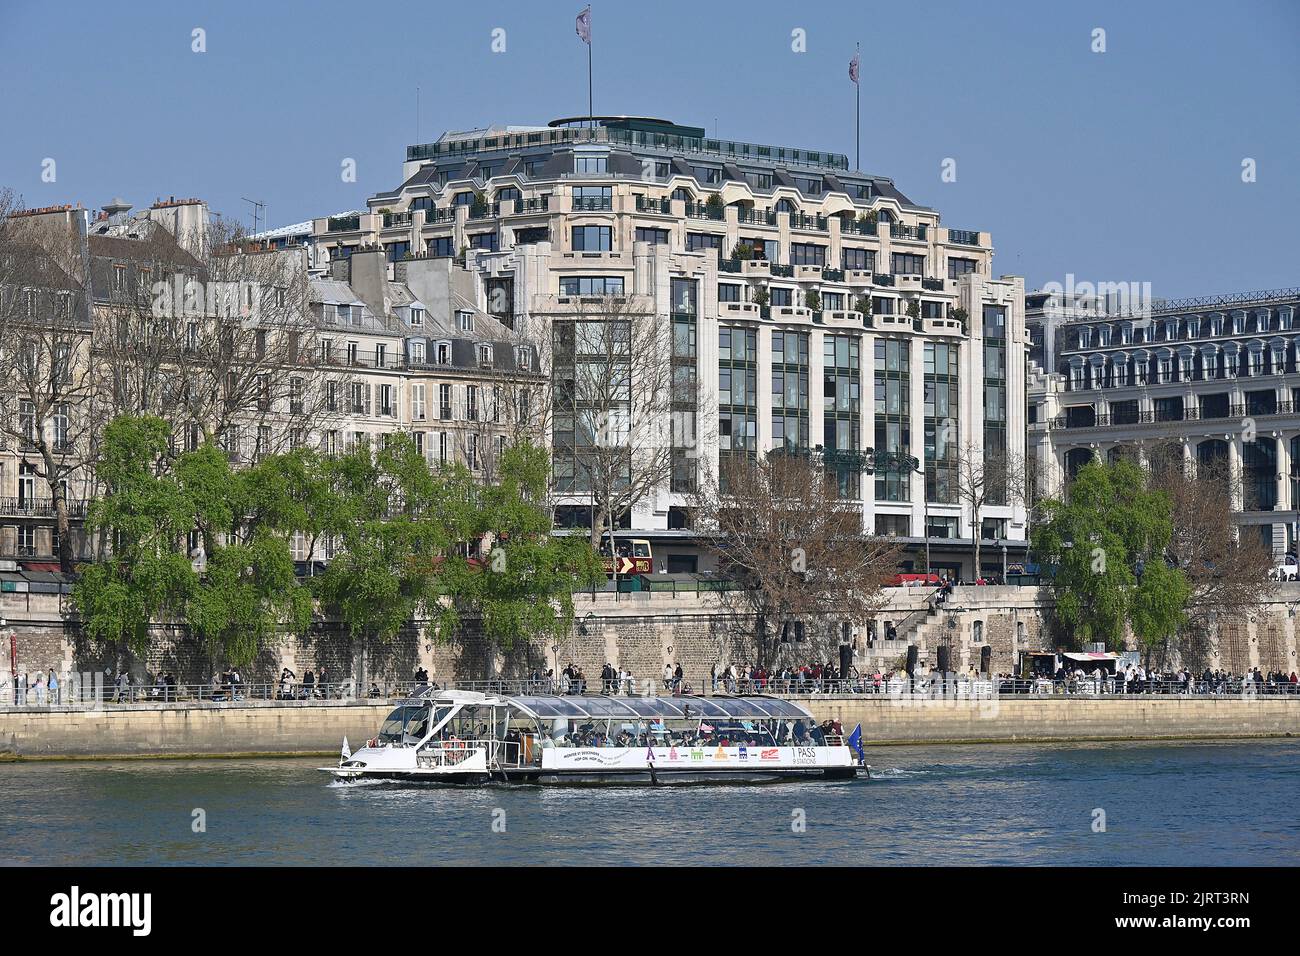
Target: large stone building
791,284
126,314
1217,377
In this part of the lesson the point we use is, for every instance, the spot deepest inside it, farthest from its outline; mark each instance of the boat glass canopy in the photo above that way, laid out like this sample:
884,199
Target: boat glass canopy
548,707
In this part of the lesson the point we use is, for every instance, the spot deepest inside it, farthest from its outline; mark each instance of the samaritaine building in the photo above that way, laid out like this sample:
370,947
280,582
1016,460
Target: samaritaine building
814,307
1216,379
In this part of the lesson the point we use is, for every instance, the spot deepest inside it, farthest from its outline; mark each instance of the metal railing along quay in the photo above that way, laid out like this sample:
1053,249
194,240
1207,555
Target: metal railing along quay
92,691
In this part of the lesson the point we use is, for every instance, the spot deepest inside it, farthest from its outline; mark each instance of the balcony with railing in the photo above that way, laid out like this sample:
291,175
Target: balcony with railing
704,211
536,204
32,507
344,223
932,285
392,219
858,227
964,237
898,230
751,216
485,210
807,223
592,203
882,278
646,204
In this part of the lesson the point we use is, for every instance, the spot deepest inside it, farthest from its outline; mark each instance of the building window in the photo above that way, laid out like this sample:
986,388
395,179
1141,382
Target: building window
591,239
593,198
907,264
591,285
807,254
893,416
861,260
960,267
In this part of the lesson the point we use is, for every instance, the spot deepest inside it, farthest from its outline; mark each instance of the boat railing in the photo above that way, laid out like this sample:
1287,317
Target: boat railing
450,753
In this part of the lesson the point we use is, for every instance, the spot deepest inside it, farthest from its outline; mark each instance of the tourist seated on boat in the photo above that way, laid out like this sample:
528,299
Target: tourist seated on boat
374,691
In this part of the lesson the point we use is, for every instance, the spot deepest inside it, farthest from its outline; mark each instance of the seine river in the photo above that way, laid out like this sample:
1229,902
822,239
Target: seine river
1207,804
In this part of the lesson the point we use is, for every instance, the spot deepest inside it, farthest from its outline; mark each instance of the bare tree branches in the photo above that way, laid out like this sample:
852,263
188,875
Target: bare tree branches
795,545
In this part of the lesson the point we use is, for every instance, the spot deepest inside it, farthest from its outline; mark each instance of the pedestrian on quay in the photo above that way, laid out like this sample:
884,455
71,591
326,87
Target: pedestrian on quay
53,685
322,684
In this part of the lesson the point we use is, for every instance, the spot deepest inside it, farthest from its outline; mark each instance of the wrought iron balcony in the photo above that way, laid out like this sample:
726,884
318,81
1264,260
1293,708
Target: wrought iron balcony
38,508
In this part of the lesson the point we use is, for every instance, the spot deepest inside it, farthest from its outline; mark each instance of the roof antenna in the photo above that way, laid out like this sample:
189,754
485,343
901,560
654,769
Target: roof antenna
259,212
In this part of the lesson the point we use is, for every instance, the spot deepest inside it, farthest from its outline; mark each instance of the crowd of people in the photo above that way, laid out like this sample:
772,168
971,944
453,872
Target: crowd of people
315,685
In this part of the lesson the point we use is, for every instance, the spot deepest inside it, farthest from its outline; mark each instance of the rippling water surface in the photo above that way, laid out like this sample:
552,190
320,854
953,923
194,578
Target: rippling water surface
1164,804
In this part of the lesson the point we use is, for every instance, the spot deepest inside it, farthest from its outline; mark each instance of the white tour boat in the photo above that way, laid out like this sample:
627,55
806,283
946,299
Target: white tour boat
460,737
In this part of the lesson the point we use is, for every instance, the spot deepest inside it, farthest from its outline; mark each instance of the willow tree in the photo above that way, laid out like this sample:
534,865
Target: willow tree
235,591
1109,544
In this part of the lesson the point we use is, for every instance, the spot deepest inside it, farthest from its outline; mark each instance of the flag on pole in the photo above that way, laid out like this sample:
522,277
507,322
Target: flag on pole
855,741
853,68
584,25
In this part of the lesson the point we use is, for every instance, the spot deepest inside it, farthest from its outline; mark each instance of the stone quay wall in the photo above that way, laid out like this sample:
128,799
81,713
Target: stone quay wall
641,632
179,730
1024,719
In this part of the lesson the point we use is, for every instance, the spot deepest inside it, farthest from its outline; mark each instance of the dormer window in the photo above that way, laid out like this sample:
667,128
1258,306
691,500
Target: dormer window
524,357
591,164
417,316
1238,323
465,320
484,355
444,353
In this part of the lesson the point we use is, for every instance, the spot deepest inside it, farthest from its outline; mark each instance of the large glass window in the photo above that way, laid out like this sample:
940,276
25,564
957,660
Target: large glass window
591,285
789,390
893,416
592,239
941,422
842,413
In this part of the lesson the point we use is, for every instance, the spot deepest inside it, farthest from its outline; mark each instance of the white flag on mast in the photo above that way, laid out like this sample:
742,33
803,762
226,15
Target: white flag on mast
853,68
584,25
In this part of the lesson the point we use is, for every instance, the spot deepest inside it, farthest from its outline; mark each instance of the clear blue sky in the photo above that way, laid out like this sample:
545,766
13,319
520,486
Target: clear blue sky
1116,166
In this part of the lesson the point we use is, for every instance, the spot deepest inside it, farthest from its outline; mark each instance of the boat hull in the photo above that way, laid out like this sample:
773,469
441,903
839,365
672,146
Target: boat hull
533,776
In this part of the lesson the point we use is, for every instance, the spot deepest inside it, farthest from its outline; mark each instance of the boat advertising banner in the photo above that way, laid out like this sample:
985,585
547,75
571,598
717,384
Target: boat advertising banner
693,758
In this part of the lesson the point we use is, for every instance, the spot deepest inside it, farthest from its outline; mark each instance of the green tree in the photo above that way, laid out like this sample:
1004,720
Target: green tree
239,596
521,584
395,522
144,515
1108,543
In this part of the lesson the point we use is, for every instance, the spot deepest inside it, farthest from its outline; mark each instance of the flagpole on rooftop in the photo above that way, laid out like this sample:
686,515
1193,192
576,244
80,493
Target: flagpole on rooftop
583,25
857,127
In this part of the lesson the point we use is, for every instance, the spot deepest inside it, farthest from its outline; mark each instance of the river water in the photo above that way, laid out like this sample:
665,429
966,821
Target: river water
1207,804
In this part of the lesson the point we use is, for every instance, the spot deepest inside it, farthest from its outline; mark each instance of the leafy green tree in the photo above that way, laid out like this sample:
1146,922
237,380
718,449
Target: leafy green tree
521,584
243,593
144,515
395,522
1108,543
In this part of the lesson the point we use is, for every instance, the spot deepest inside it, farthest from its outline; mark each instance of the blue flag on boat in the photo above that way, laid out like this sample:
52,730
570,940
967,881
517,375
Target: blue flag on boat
855,741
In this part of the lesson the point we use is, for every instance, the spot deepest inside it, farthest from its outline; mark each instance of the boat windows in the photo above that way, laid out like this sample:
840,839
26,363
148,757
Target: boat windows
404,720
